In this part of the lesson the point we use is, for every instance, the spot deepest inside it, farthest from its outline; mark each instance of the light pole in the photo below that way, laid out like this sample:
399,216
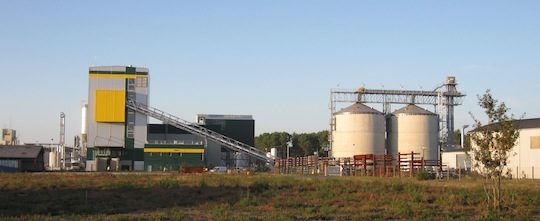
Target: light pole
463,135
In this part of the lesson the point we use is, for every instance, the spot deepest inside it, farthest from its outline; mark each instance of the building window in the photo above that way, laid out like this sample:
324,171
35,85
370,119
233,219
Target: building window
141,82
130,130
535,142
131,84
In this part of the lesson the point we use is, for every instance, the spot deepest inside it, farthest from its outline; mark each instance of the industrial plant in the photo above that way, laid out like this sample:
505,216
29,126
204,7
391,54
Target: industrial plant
372,132
118,137
364,140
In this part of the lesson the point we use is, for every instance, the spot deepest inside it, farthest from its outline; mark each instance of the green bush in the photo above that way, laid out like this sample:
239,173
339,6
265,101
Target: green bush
425,175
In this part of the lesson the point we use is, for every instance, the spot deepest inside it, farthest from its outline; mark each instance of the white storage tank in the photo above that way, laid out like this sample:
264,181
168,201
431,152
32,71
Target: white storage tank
273,153
84,111
358,129
414,129
52,160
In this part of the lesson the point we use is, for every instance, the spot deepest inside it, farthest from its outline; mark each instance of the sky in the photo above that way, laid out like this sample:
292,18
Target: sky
275,60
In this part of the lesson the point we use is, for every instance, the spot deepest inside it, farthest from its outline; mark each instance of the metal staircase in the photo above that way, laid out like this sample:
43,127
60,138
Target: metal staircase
198,130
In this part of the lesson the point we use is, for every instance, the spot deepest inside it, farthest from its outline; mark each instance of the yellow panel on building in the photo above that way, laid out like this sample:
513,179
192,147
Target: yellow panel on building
173,150
110,106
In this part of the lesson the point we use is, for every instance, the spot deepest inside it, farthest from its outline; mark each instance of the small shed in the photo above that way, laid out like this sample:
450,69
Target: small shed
21,158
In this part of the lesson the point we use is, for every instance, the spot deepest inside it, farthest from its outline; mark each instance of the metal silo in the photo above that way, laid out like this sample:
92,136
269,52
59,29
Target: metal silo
414,129
358,129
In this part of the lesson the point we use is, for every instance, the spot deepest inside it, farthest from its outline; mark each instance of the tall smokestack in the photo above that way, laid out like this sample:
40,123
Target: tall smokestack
62,129
62,143
84,130
84,108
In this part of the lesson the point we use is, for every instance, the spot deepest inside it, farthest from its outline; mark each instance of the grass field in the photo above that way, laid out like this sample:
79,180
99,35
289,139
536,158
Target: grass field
172,196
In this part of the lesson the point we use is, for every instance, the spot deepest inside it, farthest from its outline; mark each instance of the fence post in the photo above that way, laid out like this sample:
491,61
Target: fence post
412,163
399,163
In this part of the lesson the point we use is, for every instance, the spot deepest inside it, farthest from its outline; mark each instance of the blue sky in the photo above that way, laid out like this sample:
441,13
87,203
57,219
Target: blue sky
276,60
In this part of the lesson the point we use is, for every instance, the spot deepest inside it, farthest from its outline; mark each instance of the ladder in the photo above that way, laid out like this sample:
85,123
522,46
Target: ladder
198,130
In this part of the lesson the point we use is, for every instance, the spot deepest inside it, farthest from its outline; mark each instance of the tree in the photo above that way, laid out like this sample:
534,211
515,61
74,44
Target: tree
278,140
304,144
491,146
308,143
323,141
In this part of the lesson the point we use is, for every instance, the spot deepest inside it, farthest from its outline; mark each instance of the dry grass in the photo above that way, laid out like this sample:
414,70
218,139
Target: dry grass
170,196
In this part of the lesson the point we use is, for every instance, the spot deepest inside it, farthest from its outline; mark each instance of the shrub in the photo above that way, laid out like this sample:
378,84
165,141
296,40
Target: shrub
425,175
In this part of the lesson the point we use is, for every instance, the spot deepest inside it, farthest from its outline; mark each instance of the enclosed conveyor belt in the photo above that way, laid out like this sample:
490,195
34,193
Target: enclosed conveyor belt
198,130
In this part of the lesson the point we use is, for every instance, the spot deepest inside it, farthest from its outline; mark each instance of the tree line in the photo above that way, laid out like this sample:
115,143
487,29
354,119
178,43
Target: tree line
302,144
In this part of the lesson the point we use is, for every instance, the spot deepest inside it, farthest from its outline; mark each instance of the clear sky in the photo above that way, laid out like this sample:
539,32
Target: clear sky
275,60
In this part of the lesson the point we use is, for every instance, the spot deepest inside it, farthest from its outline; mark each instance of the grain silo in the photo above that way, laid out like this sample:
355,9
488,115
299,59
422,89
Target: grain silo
358,129
414,129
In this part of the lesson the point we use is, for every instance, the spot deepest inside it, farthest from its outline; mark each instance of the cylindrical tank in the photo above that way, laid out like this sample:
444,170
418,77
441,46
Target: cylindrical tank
273,152
414,129
84,108
52,160
358,129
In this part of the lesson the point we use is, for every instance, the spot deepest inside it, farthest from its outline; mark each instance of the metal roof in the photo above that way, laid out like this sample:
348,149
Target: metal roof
19,151
528,123
519,124
224,117
117,68
358,108
412,109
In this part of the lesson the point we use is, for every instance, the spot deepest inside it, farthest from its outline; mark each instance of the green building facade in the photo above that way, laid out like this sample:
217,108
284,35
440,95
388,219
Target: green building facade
173,157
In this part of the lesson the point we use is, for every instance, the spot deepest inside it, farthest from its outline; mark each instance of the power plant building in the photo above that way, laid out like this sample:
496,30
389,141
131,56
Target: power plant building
116,134
238,127
118,137
170,148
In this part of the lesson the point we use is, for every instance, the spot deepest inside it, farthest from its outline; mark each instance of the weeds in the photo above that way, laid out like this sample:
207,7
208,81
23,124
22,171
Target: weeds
259,186
425,175
255,197
168,183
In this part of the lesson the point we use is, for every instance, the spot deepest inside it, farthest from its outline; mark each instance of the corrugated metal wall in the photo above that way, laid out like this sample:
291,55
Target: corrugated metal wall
110,106
101,134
